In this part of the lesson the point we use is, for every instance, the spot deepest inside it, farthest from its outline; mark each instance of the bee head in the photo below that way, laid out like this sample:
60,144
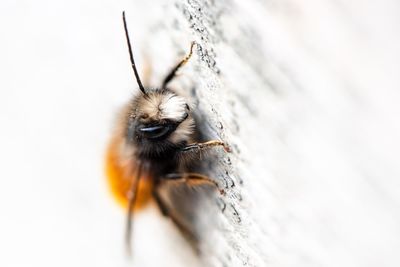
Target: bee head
158,119
160,116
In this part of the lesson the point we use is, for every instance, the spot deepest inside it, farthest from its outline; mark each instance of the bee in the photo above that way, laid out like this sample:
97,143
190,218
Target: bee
154,143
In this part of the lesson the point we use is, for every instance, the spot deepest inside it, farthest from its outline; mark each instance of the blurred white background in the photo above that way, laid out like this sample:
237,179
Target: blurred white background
64,72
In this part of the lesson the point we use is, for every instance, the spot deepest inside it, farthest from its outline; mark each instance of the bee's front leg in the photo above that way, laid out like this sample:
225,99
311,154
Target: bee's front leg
191,179
172,74
198,147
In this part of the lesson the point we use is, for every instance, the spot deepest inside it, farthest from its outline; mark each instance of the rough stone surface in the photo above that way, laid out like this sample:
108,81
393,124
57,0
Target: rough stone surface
304,94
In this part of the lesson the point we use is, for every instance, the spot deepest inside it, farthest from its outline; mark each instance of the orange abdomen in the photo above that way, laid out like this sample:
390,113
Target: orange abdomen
121,175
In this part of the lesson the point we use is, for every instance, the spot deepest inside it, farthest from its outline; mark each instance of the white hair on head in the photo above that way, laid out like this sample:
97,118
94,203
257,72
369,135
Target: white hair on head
169,106
164,106
173,107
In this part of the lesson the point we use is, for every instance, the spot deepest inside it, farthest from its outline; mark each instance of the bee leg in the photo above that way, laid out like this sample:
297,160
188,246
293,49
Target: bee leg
198,147
191,179
172,74
169,213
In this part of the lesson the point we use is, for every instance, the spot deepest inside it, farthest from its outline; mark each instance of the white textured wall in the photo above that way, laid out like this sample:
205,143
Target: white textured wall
304,92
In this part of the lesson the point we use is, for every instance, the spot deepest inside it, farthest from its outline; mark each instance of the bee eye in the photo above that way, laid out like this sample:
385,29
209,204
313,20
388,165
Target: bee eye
156,131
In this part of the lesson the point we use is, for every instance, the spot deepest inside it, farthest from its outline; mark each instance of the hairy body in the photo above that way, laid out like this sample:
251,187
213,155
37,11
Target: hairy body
153,143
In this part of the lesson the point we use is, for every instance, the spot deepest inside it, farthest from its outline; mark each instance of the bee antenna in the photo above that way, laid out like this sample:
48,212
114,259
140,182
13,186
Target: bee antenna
131,56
